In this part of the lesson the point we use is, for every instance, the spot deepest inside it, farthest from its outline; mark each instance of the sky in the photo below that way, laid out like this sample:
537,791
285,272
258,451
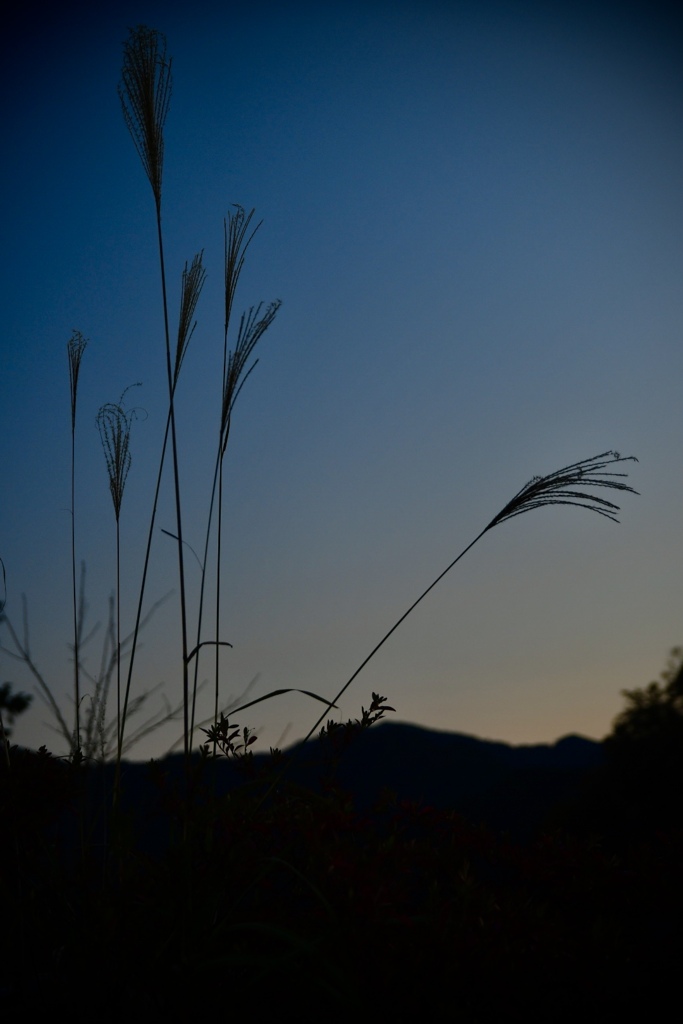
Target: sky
472,215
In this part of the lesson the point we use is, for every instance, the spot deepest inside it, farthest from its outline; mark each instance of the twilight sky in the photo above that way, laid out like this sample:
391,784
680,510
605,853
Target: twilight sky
472,214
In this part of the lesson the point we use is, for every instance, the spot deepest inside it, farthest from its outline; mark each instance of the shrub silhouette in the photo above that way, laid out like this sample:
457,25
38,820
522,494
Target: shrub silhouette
653,718
635,795
645,750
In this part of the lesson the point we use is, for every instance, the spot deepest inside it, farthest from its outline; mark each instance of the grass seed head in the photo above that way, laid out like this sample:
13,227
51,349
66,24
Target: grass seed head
253,326
145,93
235,227
559,488
114,424
75,347
193,282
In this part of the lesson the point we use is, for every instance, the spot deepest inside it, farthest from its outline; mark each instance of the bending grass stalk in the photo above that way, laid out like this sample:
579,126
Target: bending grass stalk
558,488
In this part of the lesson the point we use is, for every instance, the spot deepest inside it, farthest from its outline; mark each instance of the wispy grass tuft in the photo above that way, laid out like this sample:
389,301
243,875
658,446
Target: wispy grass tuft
252,328
558,488
114,424
235,228
191,289
145,94
75,348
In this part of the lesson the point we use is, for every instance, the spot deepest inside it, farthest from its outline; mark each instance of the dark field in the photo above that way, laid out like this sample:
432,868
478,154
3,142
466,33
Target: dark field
392,870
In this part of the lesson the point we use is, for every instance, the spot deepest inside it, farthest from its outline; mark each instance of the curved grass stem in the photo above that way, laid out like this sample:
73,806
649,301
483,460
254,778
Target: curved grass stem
558,488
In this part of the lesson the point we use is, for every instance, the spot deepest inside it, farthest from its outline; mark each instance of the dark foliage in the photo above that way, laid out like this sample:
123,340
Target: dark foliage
12,704
313,899
636,793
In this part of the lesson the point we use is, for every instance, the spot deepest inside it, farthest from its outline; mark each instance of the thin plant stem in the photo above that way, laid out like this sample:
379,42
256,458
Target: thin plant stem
75,348
138,615
118,635
176,481
219,534
393,629
23,653
252,327
201,600
145,93
236,242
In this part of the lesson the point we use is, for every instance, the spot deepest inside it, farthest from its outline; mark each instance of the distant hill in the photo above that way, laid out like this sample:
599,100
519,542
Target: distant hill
509,788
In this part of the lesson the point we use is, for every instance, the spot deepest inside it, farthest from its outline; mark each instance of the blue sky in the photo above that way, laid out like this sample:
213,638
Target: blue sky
472,214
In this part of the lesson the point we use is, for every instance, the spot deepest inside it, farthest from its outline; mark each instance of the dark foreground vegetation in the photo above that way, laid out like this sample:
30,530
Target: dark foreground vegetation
235,897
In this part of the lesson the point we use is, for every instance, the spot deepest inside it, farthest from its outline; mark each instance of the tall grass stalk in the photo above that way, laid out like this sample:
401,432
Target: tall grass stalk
75,348
236,243
252,327
145,93
192,283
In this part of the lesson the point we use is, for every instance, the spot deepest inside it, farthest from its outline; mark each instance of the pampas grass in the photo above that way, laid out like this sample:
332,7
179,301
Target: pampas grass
145,94
114,425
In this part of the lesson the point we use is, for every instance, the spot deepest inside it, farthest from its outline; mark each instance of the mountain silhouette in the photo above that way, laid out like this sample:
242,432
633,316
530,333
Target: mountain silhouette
507,788
503,786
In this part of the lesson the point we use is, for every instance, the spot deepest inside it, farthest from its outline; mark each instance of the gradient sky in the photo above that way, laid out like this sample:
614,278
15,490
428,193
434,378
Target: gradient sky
472,214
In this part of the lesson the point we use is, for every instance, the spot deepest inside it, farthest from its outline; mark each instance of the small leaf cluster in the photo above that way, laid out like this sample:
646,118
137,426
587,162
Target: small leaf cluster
223,737
340,735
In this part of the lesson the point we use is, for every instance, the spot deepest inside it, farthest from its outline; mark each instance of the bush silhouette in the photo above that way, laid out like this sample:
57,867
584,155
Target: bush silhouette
645,749
635,796
652,722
